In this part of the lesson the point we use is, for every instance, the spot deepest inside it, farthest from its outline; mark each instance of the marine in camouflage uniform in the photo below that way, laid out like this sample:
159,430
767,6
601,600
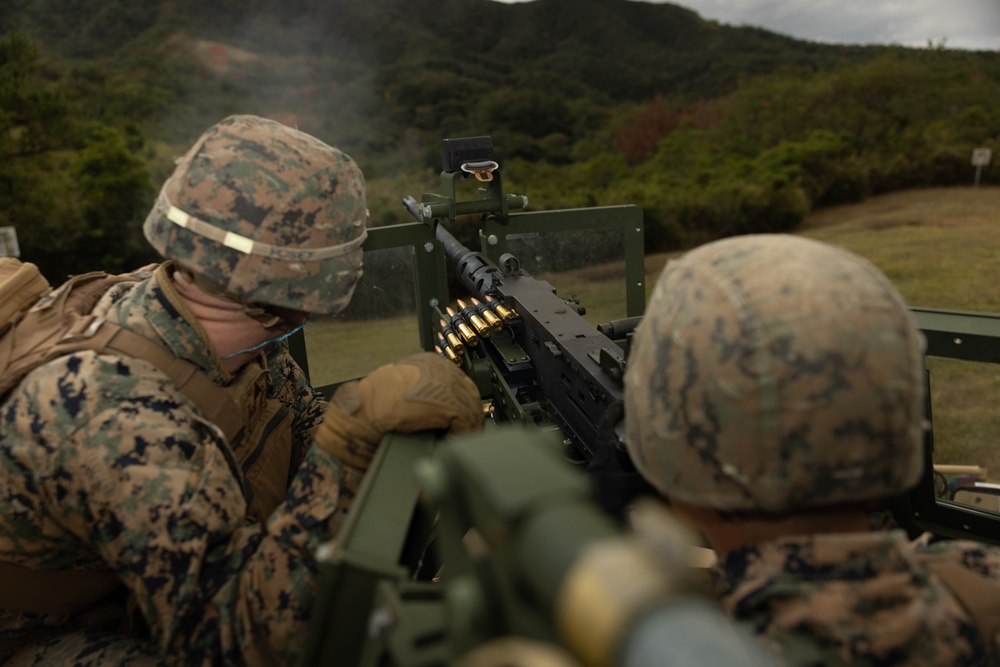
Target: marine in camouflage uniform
106,466
775,392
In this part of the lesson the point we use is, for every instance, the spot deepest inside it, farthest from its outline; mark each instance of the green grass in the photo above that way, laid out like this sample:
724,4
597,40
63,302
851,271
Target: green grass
964,397
341,350
940,247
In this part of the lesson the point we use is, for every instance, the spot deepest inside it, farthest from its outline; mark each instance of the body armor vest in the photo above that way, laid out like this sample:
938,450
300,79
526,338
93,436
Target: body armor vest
49,324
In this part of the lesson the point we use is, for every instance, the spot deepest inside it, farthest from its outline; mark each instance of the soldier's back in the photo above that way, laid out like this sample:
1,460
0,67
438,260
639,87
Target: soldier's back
858,599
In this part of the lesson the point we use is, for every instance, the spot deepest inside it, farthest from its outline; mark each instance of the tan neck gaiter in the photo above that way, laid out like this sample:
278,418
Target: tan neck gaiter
228,327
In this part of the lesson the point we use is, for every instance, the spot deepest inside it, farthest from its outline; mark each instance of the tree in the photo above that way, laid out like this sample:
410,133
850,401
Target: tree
74,187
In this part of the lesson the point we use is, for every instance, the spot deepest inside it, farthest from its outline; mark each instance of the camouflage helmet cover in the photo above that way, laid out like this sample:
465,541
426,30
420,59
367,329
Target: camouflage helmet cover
773,372
266,213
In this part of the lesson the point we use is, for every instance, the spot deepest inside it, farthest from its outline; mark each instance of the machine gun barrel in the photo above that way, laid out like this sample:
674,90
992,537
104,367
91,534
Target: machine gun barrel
477,273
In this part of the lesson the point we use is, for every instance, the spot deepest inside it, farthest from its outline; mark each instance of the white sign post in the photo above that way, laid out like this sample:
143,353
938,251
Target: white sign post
980,158
8,242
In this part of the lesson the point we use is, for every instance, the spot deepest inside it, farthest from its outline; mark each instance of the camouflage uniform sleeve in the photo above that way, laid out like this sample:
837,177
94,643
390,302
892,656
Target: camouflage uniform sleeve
139,479
293,389
309,407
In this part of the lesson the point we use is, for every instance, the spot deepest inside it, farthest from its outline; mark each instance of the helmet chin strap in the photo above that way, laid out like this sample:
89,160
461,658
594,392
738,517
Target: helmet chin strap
266,342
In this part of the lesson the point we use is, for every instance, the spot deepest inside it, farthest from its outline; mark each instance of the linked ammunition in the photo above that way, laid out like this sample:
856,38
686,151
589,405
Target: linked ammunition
505,313
472,317
491,318
454,342
467,334
448,353
449,349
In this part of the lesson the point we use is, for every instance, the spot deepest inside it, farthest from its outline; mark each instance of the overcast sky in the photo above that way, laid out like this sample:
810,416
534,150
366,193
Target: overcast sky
964,24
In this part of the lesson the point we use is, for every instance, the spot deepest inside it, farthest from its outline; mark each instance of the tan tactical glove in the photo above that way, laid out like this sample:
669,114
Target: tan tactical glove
421,392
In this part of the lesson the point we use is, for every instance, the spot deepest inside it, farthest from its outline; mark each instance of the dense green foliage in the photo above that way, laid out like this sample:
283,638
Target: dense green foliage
72,184
780,146
712,130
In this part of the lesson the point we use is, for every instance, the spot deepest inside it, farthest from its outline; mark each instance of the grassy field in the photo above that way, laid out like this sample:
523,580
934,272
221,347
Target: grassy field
342,350
940,247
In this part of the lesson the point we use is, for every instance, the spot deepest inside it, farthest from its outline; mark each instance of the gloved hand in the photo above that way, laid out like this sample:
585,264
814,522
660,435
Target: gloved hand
421,392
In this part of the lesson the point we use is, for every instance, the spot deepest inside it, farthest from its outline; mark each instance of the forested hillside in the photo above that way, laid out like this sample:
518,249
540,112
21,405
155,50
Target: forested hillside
712,130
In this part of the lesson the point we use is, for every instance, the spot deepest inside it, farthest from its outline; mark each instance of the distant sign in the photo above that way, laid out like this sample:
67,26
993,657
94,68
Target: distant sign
981,157
8,242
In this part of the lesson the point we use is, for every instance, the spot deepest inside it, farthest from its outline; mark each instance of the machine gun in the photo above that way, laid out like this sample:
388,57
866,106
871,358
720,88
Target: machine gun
528,349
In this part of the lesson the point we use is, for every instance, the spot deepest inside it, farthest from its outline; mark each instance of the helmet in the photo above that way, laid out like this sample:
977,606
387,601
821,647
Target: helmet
266,214
774,373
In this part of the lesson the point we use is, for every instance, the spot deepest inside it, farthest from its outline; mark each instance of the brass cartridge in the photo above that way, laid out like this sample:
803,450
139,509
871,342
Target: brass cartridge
454,342
491,318
505,313
472,317
464,331
448,353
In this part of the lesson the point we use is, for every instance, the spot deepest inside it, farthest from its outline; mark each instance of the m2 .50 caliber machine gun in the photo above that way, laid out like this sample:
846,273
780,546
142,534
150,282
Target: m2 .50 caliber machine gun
529,349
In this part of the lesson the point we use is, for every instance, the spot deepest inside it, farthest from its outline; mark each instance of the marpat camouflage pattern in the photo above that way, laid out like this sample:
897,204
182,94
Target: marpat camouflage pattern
867,598
266,213
732,405
773,375
104,464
